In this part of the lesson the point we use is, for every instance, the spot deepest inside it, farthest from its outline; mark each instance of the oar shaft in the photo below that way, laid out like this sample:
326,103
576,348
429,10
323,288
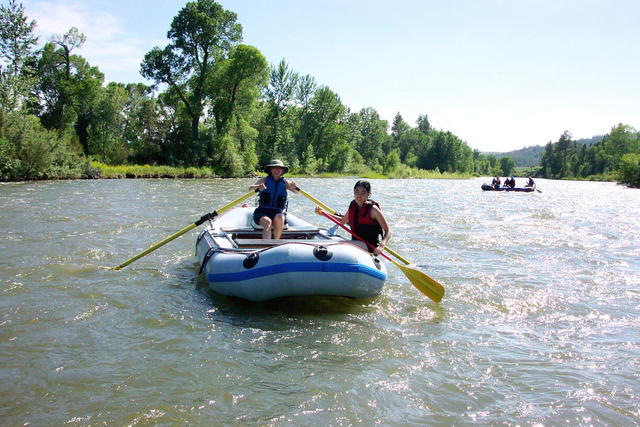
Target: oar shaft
156,246
316,201
354,234
202,219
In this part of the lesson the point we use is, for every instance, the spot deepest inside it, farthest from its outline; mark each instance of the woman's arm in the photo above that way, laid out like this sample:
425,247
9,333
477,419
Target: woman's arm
259,185
291,186
343,219
377,215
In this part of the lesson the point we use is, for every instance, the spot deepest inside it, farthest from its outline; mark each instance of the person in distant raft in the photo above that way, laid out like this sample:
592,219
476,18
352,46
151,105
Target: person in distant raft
495,183
270,213
530,182
365,218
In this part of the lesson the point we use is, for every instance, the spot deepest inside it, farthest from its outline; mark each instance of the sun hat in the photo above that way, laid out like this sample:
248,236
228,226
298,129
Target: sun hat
274,163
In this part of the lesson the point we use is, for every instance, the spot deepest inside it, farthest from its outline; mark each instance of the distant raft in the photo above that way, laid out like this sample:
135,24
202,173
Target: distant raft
306,261
487,187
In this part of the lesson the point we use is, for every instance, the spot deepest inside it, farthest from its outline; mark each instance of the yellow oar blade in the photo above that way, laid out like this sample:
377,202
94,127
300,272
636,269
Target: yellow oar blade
420,280
423,283
184,230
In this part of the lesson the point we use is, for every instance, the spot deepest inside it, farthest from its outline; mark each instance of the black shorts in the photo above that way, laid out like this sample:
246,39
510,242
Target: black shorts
268,212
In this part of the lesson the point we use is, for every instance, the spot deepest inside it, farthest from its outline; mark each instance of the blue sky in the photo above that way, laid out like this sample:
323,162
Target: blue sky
500,74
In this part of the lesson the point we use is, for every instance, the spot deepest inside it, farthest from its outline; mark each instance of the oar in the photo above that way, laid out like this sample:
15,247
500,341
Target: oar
420,280
333,211
202,219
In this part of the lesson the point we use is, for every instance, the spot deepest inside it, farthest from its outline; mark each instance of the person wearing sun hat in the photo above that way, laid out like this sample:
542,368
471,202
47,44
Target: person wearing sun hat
273,188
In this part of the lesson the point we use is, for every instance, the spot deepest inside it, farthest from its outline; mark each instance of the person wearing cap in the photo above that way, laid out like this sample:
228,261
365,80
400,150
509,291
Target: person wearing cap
273,188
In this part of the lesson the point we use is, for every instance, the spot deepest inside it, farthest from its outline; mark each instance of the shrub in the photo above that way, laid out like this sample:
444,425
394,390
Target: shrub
629,173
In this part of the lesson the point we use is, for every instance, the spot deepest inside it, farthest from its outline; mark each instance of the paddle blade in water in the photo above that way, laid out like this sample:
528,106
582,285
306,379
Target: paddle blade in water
423,283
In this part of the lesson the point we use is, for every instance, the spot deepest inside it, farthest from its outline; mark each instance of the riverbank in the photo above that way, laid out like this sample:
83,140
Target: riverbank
101,170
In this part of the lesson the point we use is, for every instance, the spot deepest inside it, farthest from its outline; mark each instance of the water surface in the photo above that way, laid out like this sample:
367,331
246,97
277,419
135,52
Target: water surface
539,324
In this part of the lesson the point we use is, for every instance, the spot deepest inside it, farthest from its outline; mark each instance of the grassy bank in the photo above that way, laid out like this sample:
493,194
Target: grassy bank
148,171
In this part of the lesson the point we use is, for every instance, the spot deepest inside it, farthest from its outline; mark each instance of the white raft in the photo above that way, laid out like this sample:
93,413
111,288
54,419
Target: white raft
237,262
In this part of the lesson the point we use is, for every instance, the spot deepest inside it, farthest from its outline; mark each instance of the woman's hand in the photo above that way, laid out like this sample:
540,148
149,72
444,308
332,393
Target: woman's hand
318,210
378,250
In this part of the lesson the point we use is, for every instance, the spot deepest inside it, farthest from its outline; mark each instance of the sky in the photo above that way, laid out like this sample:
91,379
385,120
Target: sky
499,74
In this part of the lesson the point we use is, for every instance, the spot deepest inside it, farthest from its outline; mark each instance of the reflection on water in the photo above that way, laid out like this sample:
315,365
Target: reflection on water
538,325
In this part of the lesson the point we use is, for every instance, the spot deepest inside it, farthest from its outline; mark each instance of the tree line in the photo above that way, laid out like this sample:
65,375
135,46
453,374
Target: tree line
214,103
616,156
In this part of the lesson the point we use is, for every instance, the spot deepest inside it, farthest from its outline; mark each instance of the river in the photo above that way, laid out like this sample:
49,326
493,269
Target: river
539,325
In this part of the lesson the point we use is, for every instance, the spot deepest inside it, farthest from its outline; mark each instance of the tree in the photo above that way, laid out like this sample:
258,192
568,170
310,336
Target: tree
621,140
423,124
374,137
68,42
507,166
327,129
630,170
68,87
280,96
398,128
106,129
17,41
235,84
201,34
144,127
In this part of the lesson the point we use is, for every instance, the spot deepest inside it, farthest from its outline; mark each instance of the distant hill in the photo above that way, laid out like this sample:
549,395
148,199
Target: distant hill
524,157
590,141
532,156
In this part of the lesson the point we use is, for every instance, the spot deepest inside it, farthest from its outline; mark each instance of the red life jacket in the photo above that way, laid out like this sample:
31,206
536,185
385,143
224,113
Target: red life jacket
362,224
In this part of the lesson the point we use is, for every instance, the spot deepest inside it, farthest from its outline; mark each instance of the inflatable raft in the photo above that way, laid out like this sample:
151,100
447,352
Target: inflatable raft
487,187
307,260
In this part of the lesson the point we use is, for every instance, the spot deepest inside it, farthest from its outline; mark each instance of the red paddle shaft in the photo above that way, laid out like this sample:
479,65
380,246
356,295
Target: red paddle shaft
352,233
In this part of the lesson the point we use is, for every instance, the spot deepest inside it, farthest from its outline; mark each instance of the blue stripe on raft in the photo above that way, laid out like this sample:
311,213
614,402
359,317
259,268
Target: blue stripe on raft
297,267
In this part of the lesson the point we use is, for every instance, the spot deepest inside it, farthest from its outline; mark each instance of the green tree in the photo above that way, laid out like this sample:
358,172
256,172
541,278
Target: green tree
276,136
107,123
398,129
38,153
507,166
236,84
202,33
621,140
392,162
17,42
327,128
423,124
144,128
305,90
630,170
68,87
374,137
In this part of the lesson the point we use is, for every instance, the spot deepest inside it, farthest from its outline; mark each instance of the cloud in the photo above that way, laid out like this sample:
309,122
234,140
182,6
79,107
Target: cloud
109,46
